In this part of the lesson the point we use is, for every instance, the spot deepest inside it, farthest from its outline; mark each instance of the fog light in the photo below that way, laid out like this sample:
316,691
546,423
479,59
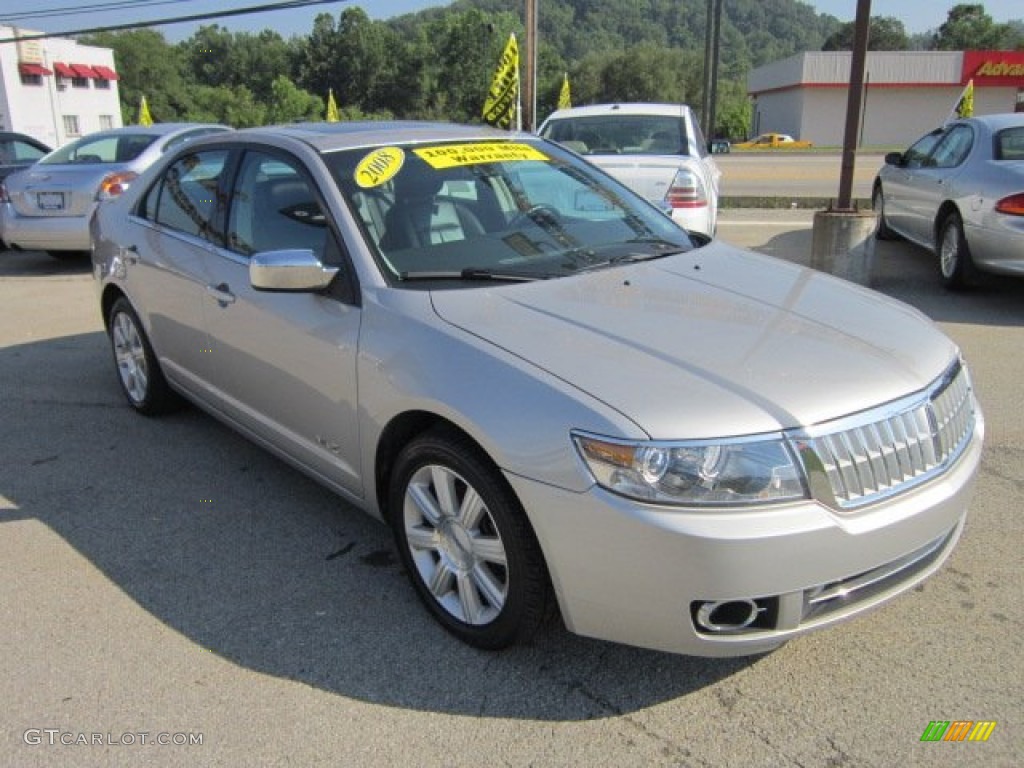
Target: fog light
731,616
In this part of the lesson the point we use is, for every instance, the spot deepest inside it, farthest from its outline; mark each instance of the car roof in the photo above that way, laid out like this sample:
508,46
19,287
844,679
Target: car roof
156,129
622,108
325,137
15,136
997,122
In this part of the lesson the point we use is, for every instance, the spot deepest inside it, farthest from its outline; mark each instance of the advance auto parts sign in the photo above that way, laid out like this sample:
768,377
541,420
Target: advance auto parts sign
452,155
994,68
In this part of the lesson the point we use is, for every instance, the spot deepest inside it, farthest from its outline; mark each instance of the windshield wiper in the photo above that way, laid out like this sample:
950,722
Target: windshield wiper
475,273
666,248
669,248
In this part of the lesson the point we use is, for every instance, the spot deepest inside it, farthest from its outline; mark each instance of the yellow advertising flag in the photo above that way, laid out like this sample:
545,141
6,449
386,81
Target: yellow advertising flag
144,117
501,107
332,107
565,96
965,106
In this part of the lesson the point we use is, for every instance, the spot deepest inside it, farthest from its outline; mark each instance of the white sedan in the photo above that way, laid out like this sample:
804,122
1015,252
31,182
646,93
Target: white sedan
657,150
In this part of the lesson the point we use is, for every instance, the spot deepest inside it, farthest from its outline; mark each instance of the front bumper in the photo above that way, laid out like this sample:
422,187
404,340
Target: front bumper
636,574
44,233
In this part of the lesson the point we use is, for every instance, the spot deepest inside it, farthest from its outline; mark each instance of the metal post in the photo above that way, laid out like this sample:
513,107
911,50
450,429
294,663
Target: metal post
860,47
705,106
530,78
716,45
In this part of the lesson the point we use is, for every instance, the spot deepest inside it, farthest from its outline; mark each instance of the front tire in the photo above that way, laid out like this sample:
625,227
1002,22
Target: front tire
878,206
466,542
956,269
138,371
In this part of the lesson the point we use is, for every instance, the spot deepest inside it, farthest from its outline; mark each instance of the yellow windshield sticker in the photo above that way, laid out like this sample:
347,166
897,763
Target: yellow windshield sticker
452,155
379,166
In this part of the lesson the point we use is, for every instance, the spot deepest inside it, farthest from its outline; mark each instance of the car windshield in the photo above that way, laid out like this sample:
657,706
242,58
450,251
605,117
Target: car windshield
519,209
619,134
119,148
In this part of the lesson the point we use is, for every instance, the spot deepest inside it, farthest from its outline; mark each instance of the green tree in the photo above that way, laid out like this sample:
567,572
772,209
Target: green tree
968,27
149,67
231,106
885,33
290,103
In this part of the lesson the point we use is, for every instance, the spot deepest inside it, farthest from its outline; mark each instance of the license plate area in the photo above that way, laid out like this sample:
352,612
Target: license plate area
50,201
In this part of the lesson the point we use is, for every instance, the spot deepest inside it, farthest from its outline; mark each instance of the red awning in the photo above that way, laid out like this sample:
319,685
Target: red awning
105,73
84,70
64,70
27,68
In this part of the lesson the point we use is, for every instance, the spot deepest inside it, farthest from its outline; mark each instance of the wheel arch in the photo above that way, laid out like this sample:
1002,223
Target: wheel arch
947,207
111,293
399,432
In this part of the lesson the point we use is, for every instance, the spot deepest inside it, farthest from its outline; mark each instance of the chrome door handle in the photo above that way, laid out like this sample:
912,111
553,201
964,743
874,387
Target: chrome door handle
222,293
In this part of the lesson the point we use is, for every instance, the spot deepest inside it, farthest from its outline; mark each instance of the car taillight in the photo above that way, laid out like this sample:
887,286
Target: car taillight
1013,205
114,184
687,191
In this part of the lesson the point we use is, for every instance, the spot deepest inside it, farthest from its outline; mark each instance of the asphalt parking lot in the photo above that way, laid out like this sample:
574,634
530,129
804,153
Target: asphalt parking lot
167,578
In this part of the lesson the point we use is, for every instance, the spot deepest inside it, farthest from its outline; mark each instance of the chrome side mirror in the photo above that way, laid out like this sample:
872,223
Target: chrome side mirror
296,270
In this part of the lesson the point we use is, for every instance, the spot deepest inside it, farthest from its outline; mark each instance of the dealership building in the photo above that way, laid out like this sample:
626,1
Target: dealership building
55,89
906,93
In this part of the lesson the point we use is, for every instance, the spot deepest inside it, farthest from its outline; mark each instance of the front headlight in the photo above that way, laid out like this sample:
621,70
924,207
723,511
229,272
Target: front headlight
694,473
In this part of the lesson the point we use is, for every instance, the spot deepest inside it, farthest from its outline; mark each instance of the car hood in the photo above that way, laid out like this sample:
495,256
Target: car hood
712,343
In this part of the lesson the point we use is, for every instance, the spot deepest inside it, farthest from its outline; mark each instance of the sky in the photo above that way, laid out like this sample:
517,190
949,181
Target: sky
916,15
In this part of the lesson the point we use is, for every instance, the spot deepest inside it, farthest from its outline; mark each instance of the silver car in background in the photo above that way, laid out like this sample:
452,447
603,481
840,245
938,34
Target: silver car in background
959,192
657,150
47,207
553,396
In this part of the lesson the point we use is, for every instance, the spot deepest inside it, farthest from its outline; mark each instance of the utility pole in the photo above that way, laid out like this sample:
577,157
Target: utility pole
530,79
715,48
858,61
843,238
712,45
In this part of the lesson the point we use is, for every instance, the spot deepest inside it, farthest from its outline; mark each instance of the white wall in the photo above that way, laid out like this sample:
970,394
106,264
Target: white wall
39,110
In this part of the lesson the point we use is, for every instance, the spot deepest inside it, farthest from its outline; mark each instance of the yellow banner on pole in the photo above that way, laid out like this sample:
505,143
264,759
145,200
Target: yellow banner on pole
501,105
565,96
965,106
332,107
144,117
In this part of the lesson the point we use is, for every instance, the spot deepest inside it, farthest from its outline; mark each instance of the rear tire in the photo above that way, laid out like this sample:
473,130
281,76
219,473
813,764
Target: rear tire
956,269
466,543
68,255
138,371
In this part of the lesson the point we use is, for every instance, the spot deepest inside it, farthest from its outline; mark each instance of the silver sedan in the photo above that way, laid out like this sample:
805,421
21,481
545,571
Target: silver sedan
558,400
959,192
47,207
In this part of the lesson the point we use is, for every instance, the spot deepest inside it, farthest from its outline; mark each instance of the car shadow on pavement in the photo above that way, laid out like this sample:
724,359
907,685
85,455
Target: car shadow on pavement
38,264
250,560
908,273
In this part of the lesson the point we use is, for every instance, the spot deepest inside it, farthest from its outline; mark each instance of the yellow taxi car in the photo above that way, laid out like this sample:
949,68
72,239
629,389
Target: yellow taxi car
773,141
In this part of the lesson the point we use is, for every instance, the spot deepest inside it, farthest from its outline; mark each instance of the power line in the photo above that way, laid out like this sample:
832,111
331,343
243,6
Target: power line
75,10
279,6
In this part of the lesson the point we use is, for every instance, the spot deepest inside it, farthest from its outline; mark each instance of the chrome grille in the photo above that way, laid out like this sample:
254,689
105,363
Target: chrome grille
888,450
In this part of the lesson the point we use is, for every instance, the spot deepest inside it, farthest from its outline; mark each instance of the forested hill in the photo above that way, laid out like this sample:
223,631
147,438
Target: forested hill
754,32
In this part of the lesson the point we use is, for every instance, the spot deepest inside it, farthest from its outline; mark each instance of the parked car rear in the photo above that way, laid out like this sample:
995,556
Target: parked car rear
657,150
47,207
